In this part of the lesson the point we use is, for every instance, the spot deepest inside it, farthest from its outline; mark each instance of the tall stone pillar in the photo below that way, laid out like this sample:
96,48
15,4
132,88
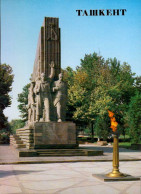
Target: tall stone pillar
48,49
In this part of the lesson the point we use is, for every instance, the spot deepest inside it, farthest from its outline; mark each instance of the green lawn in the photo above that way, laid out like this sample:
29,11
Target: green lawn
125,144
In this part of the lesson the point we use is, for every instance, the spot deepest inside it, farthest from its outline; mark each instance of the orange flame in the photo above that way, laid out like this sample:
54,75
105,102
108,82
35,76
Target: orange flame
114,124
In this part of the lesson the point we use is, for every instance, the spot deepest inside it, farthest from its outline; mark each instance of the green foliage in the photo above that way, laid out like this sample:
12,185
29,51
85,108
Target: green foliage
4,136
68,77
6,79
126,145
23,102
16,124
134,118
98,85
102,127
138,84
87,131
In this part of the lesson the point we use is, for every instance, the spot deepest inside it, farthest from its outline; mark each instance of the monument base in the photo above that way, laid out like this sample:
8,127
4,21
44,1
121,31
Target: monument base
104,178
54,135
45,139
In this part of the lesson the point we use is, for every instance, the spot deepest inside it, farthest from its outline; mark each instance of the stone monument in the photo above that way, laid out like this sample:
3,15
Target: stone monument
46,126
47,133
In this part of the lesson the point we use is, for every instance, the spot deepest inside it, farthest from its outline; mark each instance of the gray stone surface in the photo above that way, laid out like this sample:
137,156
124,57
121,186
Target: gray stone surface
10,155
66,178
48,48
53,133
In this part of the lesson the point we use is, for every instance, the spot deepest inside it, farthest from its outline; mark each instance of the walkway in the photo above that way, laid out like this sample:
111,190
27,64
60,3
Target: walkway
9,155
66,178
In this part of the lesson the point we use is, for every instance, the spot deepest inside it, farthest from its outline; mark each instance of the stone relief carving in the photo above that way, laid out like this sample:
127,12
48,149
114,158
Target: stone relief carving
60,89
31,103
47,97
38,98
53,34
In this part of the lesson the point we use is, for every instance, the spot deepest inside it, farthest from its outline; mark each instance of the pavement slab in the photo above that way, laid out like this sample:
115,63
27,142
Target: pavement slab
9,155
67,178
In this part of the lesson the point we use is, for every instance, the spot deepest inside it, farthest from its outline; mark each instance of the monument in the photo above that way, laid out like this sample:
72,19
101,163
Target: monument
46,128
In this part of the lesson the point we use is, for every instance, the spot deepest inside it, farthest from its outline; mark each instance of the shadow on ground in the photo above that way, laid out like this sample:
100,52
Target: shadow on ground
15,172
106,149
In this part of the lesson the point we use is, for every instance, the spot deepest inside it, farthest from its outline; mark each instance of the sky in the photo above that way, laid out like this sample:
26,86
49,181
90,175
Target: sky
109,36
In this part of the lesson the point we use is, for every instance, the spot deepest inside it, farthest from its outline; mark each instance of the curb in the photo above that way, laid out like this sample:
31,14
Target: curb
67,161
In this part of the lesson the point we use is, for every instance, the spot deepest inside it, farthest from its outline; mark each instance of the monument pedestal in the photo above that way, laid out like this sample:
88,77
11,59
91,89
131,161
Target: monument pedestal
46,135
43,139
55,135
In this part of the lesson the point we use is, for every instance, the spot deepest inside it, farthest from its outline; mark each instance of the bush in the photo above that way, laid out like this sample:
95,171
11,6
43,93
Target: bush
4,137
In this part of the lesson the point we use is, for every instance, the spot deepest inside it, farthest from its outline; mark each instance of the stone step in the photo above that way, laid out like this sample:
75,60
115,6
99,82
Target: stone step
24,129
39,153
69,152
19,141
30,144
25,135
26,138
16,141
29,147
12,143
59,152
55,150
66,154
15,137
20,146
24,132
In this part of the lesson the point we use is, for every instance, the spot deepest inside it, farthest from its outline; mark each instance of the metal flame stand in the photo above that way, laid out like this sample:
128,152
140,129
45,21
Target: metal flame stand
115,172
115,175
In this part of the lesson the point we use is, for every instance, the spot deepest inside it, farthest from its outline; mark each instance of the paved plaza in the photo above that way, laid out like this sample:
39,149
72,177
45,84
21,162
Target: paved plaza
67,178
67,175
9,155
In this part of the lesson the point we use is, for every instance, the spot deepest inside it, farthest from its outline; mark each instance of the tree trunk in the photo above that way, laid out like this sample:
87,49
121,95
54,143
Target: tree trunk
92,131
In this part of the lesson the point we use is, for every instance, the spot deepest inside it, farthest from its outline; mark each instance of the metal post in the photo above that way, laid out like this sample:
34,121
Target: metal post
115,172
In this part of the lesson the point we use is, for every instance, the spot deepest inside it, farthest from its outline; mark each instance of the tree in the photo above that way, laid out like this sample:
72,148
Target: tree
23,102
134,118
137,84
102,127
99,85
68,77
16,124
6,80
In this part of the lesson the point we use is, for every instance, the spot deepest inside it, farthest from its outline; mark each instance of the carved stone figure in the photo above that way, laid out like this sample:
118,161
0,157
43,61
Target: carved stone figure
31,104
43,96
46,93
60,89
38,98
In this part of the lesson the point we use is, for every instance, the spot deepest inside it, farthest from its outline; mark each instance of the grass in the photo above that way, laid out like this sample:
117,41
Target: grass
125,145
122,137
